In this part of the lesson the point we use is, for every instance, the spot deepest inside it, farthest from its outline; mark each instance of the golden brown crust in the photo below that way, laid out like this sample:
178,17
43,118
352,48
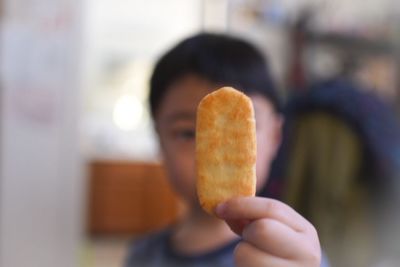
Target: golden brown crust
225,147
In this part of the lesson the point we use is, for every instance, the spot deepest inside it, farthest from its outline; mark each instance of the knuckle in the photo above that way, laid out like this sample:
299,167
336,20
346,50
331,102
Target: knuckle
264,227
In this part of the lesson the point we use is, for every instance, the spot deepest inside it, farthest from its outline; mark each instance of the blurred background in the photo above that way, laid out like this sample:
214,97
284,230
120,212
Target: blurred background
80,172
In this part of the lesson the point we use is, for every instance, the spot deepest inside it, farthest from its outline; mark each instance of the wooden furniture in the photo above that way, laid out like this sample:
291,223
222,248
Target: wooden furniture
128,198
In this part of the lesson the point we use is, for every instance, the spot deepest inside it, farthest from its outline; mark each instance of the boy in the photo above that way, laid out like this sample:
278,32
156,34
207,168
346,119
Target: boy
250,231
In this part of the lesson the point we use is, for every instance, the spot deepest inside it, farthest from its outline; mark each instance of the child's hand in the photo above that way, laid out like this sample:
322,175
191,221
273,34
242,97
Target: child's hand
274,235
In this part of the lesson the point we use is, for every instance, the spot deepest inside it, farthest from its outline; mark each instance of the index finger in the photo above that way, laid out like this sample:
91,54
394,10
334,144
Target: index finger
254,208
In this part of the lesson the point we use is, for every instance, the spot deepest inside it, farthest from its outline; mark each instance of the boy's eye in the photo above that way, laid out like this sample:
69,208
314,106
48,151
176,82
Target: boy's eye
186,134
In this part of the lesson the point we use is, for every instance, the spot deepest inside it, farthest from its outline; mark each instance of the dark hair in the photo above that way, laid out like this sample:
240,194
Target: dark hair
221,59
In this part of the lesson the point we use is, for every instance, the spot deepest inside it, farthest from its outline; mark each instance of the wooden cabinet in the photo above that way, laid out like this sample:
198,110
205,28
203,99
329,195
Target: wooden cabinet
129,198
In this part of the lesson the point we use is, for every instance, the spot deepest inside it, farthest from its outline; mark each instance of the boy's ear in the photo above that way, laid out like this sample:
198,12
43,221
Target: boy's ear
157,131
279,121
160,153
155,127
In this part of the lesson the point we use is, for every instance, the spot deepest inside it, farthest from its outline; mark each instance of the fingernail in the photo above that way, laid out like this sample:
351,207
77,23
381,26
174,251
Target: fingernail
220,210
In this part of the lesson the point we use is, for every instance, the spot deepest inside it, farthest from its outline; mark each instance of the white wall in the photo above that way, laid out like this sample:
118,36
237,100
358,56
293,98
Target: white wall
124,38
41,184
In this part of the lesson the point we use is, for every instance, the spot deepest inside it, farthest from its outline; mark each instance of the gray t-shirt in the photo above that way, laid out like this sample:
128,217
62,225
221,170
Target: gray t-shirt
155,251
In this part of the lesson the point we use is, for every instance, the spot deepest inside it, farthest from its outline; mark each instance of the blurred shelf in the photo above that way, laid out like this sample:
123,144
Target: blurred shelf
352,43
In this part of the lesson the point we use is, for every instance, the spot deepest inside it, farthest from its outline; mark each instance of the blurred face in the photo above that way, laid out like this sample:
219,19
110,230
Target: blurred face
176,127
